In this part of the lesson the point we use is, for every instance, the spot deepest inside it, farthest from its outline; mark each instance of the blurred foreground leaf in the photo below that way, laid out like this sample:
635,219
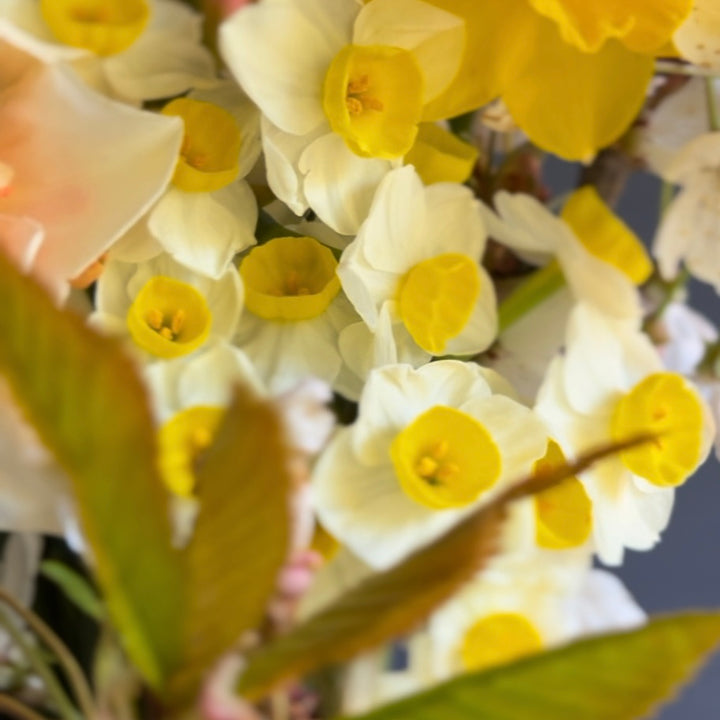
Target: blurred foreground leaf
241,537
392,603
84,397
614,677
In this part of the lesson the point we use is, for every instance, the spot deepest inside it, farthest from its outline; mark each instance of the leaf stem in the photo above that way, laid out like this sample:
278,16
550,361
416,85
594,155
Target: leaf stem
712,104
15,708
67,662
66,709
538,287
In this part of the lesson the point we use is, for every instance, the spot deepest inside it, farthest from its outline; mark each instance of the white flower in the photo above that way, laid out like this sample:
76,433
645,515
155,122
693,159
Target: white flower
295,311
428,447
165,308
209,212
509,613
417,259
698,38
609,386
599,256
689,230
343,110
86,176
151,49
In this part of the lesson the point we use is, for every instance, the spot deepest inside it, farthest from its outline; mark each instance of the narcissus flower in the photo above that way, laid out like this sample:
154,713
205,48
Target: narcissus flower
209,213
417,258
428,447
86,176
698,38
346,109
690,229
294,312
166,309
133,50
572,74
610,386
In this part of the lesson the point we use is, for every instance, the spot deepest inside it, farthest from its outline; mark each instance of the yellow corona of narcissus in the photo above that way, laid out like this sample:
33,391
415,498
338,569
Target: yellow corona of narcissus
573,73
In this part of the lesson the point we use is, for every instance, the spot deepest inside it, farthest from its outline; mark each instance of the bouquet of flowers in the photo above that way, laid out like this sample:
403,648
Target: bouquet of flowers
315,402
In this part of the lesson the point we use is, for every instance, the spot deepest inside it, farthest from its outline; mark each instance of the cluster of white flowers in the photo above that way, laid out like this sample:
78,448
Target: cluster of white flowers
128,159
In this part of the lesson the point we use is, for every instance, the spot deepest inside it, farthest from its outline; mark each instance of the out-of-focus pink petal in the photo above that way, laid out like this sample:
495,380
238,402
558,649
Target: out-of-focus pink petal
86,168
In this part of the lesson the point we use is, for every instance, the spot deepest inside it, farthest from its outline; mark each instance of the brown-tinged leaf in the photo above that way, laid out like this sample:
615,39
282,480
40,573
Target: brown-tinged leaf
85,399
621,676
241,537
394,602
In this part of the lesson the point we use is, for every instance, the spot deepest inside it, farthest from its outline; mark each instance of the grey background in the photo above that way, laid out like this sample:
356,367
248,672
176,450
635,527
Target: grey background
683,571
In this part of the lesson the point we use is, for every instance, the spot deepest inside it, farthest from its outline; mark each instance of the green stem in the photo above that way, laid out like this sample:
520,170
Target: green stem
713,115
66,709
538,287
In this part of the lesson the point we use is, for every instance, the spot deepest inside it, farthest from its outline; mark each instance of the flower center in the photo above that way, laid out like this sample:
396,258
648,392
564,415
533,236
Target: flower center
445,459
605,235
372,97
289,278
106,27
436,299
169,318
666,405
181,440
497,639
563,514
209,154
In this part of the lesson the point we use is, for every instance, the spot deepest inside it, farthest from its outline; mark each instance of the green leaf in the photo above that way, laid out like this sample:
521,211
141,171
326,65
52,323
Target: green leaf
613,677
75,587
85,398
241,536
394,602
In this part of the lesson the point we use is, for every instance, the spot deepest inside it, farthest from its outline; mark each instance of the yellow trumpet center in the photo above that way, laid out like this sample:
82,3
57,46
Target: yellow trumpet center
372,98
289,278
211,146
666,405
436,299
181,440
445,458
106,27
169,318
563,514
605,235
497,639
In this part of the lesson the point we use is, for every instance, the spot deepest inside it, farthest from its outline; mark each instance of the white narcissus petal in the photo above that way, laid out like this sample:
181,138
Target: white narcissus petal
701,153
689,231
206,230
688,335
698,38
207,378
280,51
454,215
517,431
596,282
137,245
282,155
340,185
167,59
33,487
393,235
88,175
286,353
604,604
436,37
